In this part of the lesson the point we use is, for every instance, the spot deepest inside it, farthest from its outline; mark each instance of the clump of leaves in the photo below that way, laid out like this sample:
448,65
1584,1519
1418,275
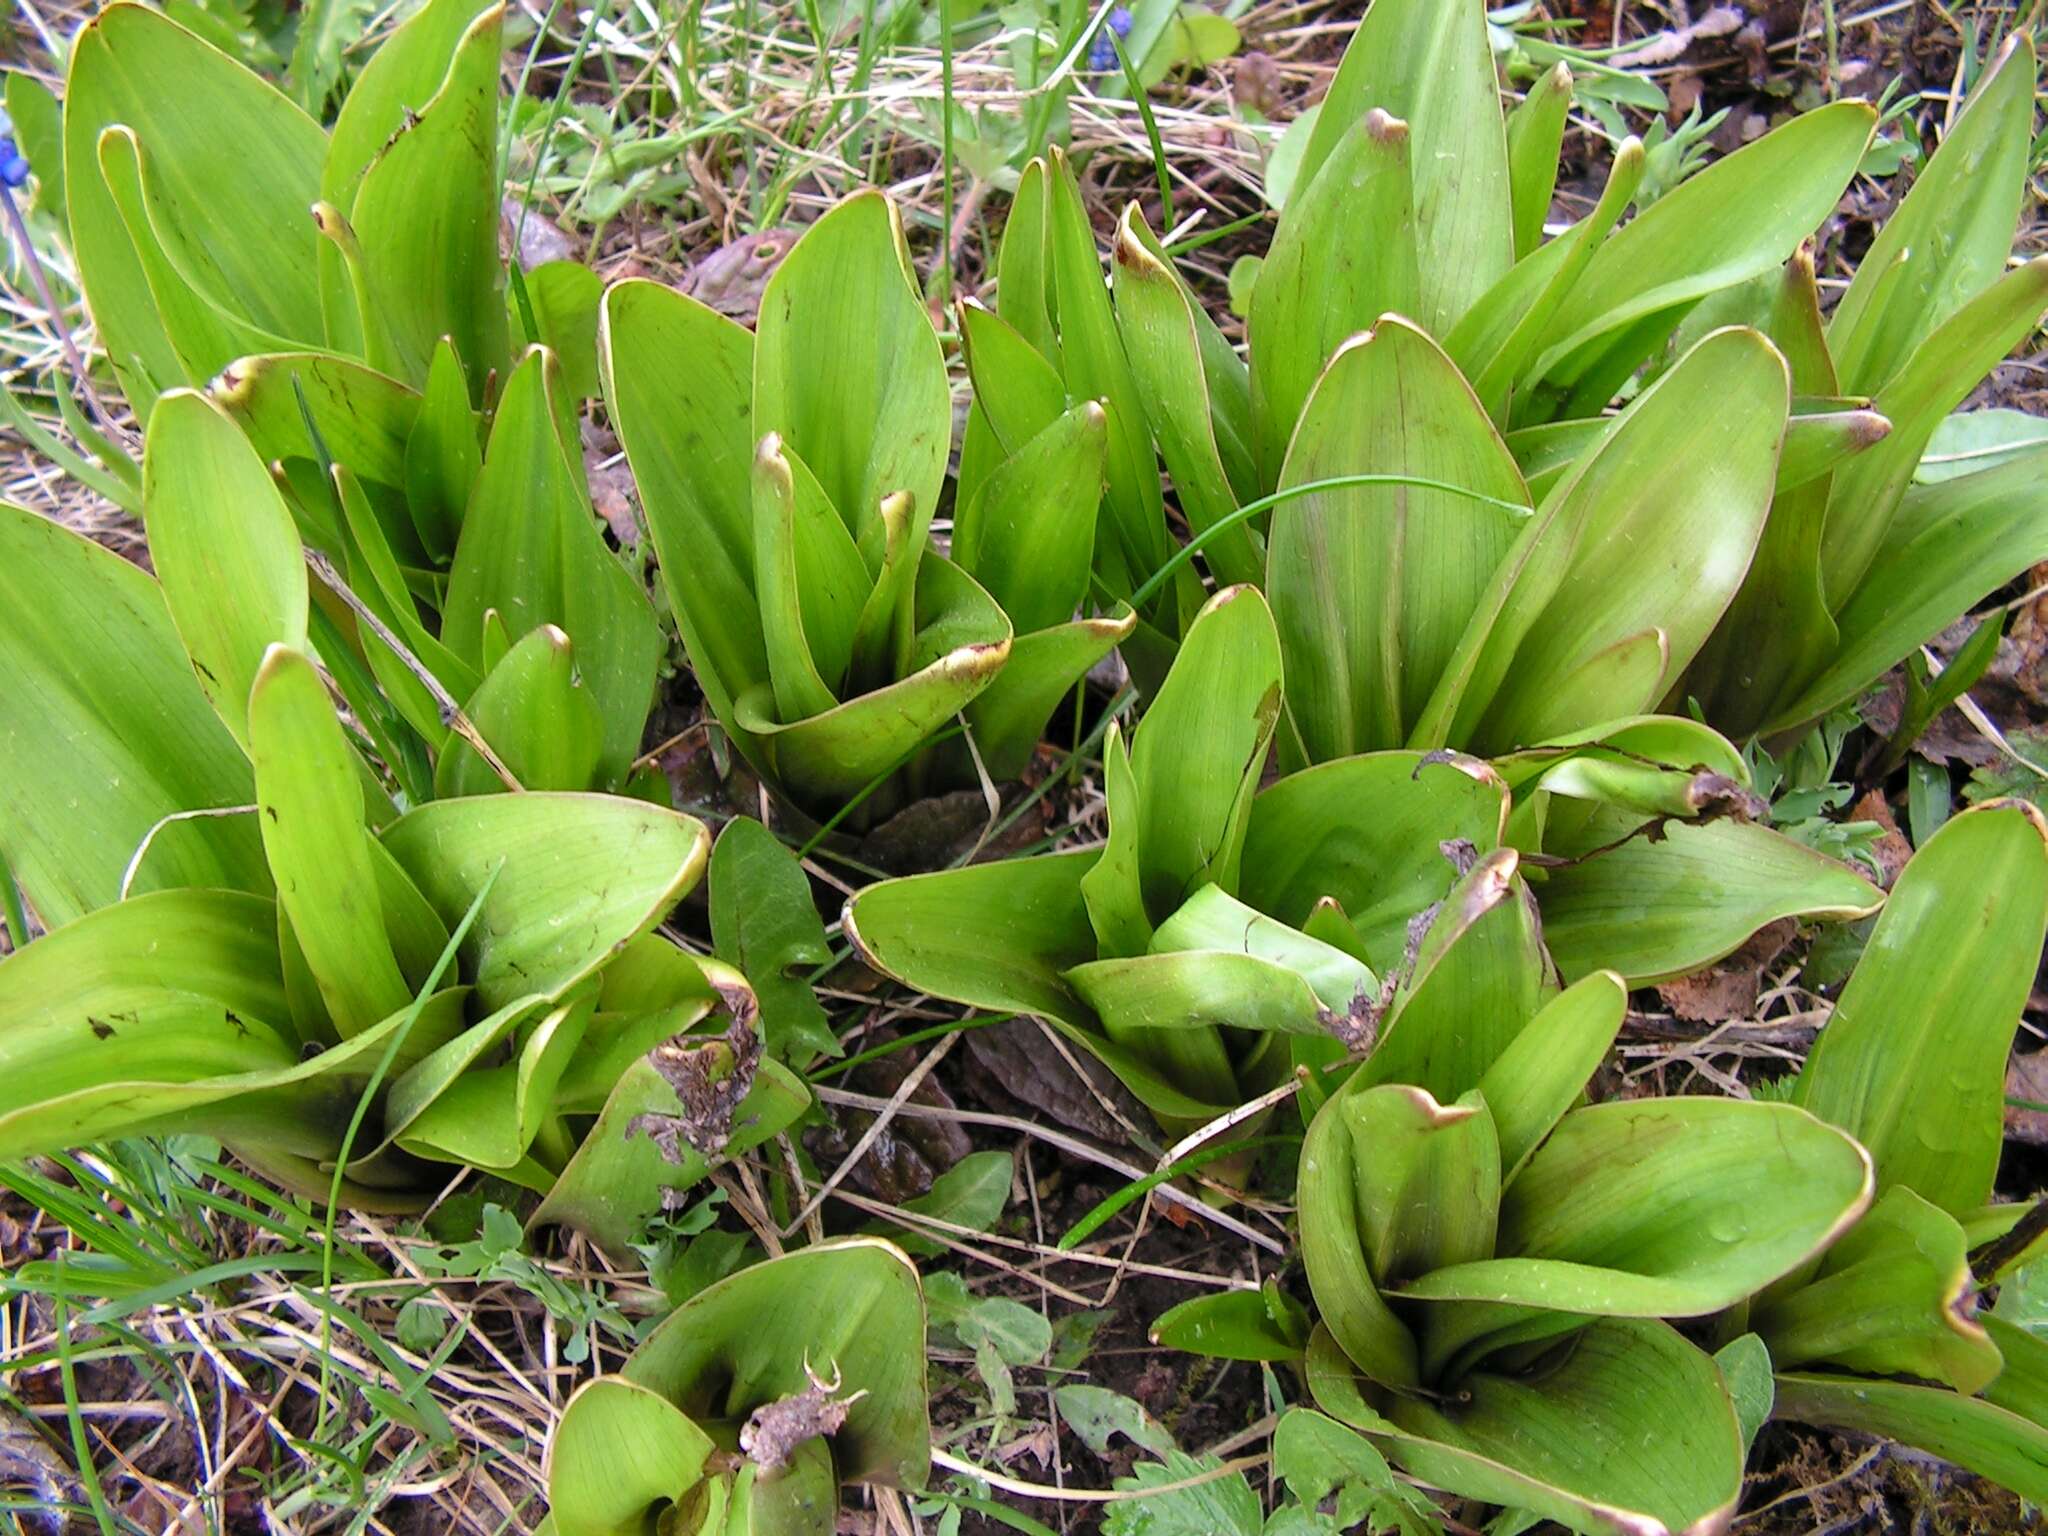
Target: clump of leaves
753,1402
1462,546
790,488
1885,1334
1223,937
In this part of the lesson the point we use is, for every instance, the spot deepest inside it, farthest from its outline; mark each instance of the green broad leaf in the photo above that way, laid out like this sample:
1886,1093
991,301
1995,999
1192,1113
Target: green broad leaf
86,639
531,549
1535,132
935,933
1728,393
2021,1385
274,1113
1333,1250
1950,238
1817,443
1500,333
1212,920
365,421
1779,623
1009,716
970,1194
310,808
1951,544
1024,276
537,716
745,1342
1430,65
1166,1011
170,987
1331,273
1543,1071
1968,441
1156,319
1196,761
1657,910
1428,1180
1937,377
190,942
401,77
566,296
1114,887
614,1184
442,456
205,331
765,923
1740,217
1912,1061
1479,976
1190,1500
811,581
1096,1413
1569,1444
647,992
488,1116
1017,390
1745,1364
1317,1457
678,381
581,876
1649,1208
1371,585
960,642
470,1051
1164,1014
1095,367
882,633
1687,471
1306,841
1262,1324
620,1451
1894,1297
1993,1442
248,241
1649,764
1225,375
872,414
426,216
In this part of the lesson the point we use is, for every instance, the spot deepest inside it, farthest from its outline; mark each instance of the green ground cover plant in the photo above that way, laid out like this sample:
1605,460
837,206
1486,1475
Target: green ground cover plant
1420,667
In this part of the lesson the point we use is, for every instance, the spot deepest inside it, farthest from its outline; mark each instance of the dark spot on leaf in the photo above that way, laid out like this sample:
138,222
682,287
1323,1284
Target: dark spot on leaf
101,1029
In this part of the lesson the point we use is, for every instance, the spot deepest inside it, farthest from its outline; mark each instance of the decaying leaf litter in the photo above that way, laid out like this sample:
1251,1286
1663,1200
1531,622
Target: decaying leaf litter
528,1345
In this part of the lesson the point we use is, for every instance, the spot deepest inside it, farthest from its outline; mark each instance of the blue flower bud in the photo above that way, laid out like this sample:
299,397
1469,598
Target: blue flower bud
13,164
1120,21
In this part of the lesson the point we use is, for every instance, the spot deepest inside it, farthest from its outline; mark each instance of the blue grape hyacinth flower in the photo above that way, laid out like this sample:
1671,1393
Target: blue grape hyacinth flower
1102,52
13,163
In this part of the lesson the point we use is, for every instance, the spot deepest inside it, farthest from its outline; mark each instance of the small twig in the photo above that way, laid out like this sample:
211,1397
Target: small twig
1091,1495
1078,1145
1988,1260
451,712
875,1128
